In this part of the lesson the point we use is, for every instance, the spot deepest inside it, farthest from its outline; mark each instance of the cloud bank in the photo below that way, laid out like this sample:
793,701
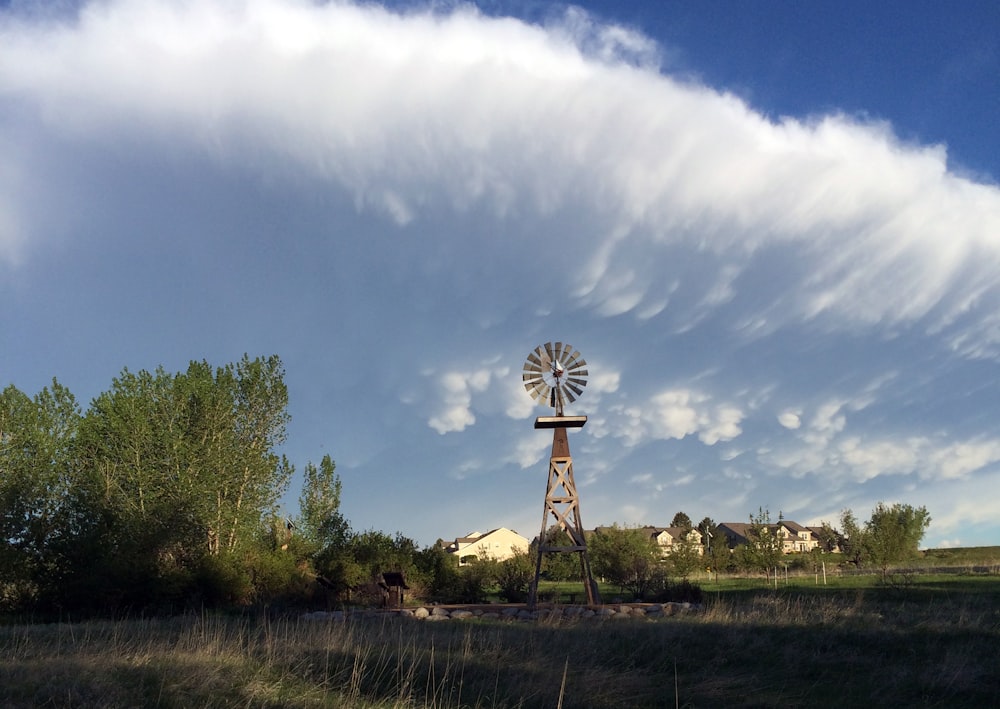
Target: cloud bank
742,279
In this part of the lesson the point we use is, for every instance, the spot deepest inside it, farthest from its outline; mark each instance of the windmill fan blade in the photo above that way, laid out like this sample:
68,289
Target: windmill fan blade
574,388
534,358
540,391
529,367
558,356
570,396
548,350
580,362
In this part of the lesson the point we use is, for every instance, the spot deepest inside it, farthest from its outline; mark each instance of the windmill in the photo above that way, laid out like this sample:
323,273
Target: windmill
554,374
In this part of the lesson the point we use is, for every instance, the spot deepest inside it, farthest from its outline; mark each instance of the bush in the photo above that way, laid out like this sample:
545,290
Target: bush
681,592
514,576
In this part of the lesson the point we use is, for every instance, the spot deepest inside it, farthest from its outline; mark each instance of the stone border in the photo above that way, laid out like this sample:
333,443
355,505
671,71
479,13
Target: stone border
651,611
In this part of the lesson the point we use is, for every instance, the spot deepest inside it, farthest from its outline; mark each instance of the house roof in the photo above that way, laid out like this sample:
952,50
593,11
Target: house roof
740,529
475,537
794,526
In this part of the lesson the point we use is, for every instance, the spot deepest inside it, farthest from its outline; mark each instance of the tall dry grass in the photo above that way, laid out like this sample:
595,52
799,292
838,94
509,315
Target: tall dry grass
929,644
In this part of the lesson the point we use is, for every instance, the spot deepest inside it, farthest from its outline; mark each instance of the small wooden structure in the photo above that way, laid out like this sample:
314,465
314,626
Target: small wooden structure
392,585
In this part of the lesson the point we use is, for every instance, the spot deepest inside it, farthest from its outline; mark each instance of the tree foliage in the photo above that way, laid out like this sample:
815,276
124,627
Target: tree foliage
514,576
685,557
124,506
707,528
559,567
36,470
681,520
627,557
762,551
320,521
720,557
892,534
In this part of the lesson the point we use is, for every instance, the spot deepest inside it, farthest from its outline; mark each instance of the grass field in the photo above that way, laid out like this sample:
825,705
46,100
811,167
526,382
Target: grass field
929,641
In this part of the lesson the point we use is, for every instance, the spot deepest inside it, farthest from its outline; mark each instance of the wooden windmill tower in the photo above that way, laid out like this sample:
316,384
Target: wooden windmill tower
555,373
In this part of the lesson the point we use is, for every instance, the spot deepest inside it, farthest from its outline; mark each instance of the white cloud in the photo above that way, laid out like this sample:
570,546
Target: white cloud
673,414
959,459
723,425
869,460
790,419
456,109
455,390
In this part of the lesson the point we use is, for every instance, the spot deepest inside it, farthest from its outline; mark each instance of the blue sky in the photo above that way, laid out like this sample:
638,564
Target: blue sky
773,230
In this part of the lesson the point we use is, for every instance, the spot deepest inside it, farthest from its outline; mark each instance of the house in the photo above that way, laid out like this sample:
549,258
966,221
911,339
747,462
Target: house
668,537
499,544
794,537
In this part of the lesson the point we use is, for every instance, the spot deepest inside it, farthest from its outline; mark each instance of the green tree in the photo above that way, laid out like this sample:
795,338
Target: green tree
681,520
762,552
707,529
514,576
173,468
439,574
628,557
829,538
893,534
36,470
320,521
685,557
257,475
851,538
720,557
559,566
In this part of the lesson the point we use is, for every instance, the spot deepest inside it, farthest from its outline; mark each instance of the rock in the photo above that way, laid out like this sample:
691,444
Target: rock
440,612
458,614
421,613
